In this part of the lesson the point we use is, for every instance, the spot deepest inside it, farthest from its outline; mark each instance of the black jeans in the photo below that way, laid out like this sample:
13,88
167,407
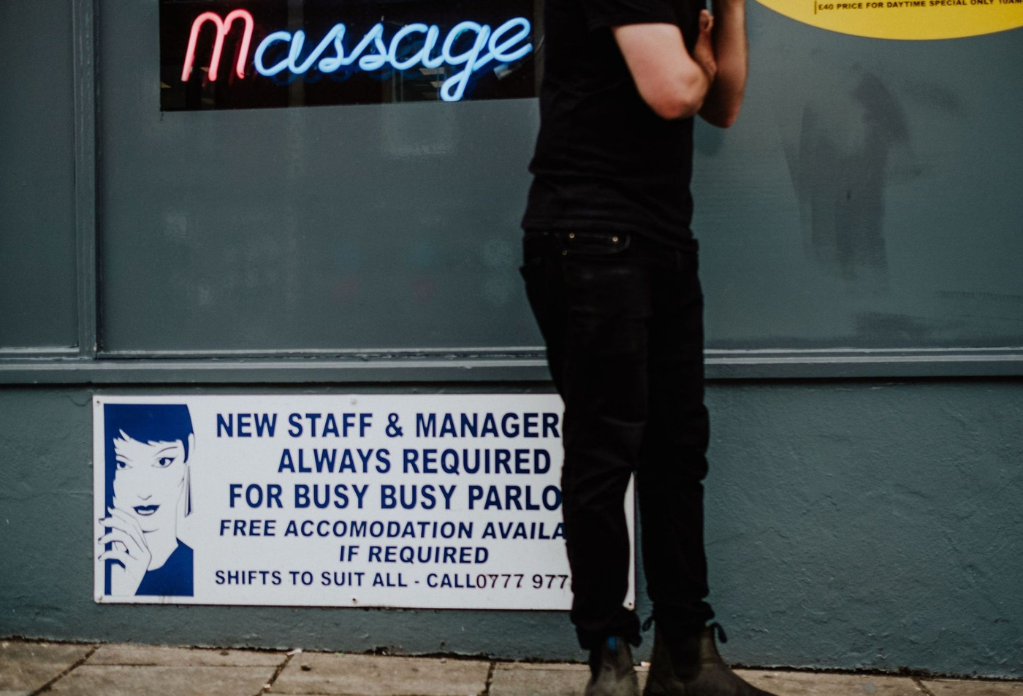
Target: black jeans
622,317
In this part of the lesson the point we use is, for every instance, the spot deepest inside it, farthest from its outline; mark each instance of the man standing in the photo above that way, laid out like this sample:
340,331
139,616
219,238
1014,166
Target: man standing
611,275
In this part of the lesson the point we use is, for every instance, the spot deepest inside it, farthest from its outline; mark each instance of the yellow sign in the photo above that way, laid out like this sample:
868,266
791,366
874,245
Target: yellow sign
905,19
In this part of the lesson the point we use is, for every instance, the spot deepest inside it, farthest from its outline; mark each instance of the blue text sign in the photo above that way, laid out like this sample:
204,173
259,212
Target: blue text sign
429,501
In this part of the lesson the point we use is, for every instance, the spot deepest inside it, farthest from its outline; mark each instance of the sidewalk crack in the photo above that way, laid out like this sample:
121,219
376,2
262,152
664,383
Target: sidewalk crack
490,679
277,672
77,663
920,685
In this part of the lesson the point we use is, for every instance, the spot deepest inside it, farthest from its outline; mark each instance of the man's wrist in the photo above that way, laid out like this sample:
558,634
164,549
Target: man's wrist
709,74
728,7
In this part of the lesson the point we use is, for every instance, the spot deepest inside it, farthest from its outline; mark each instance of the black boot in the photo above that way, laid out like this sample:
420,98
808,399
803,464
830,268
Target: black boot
693,667
612,671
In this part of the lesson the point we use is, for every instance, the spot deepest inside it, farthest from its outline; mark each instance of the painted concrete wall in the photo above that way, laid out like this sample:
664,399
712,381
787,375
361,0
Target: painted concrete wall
850,525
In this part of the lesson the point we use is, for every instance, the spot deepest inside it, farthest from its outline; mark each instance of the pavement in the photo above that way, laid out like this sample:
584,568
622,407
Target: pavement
30,668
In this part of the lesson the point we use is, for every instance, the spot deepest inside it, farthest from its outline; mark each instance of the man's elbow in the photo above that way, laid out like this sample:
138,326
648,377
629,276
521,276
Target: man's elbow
678,96
672,107
673,110
682,100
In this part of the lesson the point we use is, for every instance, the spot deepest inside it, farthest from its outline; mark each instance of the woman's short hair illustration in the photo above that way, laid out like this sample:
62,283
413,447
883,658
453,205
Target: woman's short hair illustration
144,423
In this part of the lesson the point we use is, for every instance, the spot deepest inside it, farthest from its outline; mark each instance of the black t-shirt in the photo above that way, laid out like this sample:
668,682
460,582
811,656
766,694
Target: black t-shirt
604,159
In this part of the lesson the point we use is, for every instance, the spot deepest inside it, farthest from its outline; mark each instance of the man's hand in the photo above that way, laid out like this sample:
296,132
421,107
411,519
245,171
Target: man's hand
724,99
703,52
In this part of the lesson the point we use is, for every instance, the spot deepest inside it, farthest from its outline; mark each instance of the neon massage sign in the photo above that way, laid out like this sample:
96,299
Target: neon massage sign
219,55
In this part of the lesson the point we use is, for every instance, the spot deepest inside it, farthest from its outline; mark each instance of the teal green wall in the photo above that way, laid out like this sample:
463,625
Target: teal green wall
859,221
858,524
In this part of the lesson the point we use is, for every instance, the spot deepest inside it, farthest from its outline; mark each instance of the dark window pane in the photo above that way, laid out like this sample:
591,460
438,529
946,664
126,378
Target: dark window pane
38,275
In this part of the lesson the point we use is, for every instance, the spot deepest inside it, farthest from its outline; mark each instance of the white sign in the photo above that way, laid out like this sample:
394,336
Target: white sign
429,501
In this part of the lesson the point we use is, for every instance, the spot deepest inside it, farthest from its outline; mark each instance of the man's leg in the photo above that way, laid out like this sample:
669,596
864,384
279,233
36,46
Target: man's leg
673,464
593,304
673,456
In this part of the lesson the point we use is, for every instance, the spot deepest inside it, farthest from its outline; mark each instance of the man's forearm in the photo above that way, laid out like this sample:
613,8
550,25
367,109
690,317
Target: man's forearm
721,106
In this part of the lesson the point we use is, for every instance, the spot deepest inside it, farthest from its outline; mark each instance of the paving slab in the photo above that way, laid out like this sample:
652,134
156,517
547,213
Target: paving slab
956,687
825,684
130,680
543,679
26,667
155,655
371,675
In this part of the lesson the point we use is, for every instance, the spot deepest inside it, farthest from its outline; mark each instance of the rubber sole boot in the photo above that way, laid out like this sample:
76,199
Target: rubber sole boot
694,667
612,671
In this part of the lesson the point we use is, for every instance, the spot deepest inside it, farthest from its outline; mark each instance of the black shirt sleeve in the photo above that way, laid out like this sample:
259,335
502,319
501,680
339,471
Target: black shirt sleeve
613,13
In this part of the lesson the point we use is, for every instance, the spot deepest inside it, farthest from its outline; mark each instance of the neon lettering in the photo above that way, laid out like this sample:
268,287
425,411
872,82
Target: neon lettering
261,50
402,33
428,45
498,50
329,65
296,49
379,59
479,43
223,27
454,87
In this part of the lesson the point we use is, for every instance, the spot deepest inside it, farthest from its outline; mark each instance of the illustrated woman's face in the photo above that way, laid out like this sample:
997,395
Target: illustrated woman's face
149,481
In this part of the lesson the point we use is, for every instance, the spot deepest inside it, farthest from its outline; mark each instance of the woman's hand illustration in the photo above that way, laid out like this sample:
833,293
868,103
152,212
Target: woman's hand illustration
128,548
